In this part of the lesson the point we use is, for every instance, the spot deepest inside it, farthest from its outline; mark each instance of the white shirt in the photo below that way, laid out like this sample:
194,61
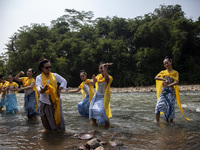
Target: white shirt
44,97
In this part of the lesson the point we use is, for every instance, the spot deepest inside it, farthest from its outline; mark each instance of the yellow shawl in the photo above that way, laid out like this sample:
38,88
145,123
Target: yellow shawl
4,86
107,108
159,84
52,90
91,89
26,82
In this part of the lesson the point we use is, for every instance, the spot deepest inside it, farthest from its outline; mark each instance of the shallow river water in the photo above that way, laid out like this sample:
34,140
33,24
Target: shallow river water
132,123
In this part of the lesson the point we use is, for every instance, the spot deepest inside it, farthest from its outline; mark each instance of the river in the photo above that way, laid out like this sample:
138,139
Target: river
132,123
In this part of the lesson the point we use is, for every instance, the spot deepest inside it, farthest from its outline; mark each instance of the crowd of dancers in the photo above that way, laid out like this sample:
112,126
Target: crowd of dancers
42,95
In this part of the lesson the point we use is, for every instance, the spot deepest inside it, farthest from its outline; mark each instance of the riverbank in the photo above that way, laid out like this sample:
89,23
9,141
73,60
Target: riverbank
152,89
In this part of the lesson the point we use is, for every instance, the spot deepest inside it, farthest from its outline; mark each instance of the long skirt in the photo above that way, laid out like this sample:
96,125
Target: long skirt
30,105
48,112
11,103
96,109
83,107
166,103
2,102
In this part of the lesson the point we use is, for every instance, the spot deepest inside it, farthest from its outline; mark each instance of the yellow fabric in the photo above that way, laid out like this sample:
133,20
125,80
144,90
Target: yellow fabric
26,82
4,86
91,90
1,85
13,84
52,90
107,108
159,84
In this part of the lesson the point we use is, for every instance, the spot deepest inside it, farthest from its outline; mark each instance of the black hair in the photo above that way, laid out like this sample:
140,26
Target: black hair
101,63
167,57
11,75
1,76
83,71
33,71
42,62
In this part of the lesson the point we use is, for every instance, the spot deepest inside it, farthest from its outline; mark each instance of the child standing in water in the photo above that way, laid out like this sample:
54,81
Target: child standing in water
87,91
31,95
167,92
4,84
99,110
11,99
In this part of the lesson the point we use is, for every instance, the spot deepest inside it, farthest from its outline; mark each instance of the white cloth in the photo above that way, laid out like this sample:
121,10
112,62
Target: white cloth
9,92
101,88
45,96
86,89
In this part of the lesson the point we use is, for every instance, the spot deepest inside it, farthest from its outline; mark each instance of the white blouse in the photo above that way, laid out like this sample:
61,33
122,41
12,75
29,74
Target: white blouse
44,97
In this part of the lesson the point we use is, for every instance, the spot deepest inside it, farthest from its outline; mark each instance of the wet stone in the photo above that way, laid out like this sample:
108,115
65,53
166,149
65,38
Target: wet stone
100,148
116,143
92,144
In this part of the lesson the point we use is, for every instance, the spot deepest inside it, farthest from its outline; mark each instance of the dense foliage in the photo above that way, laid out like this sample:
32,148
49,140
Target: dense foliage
136,46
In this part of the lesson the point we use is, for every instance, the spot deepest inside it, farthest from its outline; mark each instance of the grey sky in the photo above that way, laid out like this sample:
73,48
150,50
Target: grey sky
17,13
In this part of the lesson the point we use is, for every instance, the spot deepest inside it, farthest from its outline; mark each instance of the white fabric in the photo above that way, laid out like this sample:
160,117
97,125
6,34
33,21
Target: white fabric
101,88
86,89
45,96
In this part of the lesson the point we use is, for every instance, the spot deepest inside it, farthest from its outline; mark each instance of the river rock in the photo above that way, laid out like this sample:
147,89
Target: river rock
116,143
100,148
92,144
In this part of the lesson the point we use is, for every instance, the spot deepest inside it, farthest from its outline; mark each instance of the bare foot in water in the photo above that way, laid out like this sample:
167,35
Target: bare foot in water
107,124
93,122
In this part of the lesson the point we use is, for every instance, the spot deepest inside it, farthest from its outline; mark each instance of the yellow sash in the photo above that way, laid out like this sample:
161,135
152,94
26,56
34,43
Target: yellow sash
91,89
52,90
107,108
159,84
26,82
4,86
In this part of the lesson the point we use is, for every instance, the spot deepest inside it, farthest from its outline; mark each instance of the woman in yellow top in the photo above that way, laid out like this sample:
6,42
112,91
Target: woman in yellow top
4,84
99,110
31,96
167,92
87,91
11,99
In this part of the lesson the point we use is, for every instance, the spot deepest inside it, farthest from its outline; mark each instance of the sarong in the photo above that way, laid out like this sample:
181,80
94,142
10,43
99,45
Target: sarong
83,107
96,109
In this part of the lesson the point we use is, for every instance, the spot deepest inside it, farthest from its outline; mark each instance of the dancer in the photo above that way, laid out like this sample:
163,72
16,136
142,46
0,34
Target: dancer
87,91
99,110
50,103
31,95
11,99
167,92
3,85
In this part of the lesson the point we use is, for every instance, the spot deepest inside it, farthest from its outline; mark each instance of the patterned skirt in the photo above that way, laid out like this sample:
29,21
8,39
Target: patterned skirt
96,109
166,103
30,105
2,102
11,103
83,107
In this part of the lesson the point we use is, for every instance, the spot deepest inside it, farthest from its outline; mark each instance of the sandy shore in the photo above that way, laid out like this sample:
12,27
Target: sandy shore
152,89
